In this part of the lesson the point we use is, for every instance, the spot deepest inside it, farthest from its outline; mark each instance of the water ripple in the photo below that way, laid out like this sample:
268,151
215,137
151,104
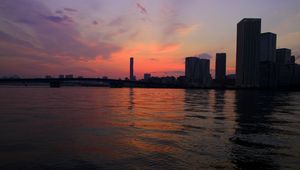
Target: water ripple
103,128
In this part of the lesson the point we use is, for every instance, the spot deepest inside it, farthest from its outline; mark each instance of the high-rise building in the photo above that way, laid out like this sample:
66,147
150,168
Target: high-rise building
132,77
268,75
283,56
285,66
268,70
205,77
192,70
220,67
248,52
268,47
197,71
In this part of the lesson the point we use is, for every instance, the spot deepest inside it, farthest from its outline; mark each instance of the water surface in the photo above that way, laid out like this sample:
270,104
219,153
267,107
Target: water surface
103,128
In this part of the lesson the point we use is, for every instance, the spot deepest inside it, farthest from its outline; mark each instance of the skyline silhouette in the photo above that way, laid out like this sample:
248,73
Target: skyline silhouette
93,40
141,84
259,64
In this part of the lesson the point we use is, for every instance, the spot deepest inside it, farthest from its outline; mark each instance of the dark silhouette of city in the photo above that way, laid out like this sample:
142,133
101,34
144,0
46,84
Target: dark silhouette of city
154,85
258,65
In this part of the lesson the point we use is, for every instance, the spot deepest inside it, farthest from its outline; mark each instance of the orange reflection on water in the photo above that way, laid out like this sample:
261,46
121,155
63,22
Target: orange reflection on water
154,125
160,116
161,126
148,147
161,136
130,121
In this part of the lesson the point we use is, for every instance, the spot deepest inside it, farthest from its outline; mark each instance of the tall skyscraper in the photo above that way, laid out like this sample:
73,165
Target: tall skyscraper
268,70
283,56
285,66
205,77
220,67
197,71
248,52
192,70
132,77
268,47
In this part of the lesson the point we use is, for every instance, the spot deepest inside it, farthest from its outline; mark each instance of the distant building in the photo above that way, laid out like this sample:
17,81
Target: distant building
155,80
248,52
48,77
220,68
283,56
293,59
69,76
14,77
147,76
168,80
181,80
197,72
131,76
61,76
268,47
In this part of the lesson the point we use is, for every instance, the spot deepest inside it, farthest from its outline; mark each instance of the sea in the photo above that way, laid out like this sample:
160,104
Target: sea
93,128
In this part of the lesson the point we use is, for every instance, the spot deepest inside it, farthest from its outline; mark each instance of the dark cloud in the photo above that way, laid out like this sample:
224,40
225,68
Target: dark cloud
33,30
144,12
59,19
142,9
59,12
70,10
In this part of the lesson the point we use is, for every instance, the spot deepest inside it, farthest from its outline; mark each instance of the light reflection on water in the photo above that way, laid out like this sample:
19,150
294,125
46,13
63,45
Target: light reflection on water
102,128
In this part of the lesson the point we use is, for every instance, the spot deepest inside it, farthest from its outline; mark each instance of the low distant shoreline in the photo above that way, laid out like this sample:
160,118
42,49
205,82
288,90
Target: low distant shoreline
111,83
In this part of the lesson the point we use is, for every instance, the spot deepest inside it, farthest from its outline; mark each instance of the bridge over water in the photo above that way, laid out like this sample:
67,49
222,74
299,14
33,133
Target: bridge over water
57,82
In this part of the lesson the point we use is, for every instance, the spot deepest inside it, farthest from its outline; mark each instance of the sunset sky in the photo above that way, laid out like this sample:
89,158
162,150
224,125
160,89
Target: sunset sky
95,38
